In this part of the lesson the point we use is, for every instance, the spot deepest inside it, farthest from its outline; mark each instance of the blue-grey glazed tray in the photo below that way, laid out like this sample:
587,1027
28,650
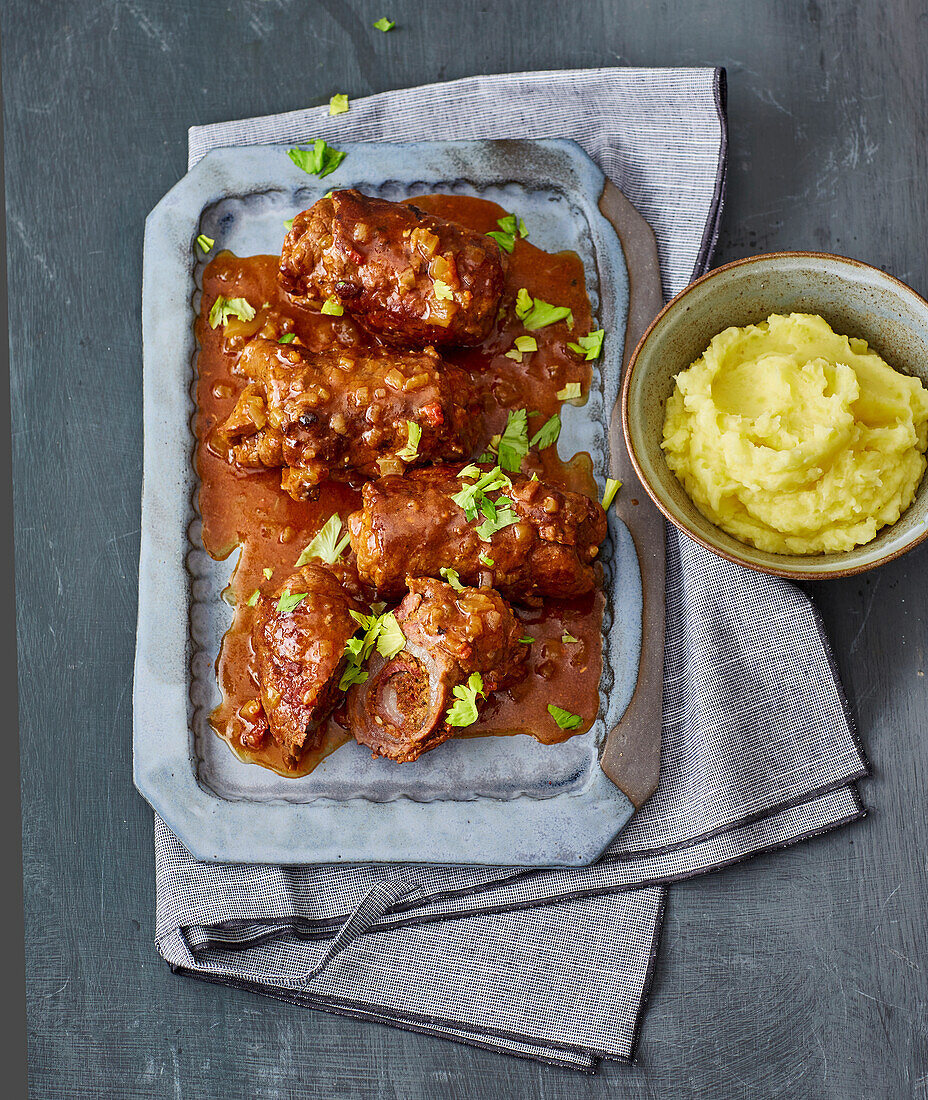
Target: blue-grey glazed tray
491,800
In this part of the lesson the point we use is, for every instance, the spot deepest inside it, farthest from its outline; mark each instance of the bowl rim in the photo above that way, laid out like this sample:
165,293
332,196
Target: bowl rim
790,571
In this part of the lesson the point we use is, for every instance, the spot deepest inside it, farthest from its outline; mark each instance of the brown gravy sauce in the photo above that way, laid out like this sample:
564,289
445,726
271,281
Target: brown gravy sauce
249,509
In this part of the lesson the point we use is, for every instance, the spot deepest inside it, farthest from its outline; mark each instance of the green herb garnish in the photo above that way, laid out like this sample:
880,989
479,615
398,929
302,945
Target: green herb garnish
612,487
568,638
268,573
318,161
206,243
338,104
510,229
526,639
543,314
513,443
288,224
452,577
570,392
590,346
547,433
384,24
526,343
463,712
326,545
287,338
504,517
289,601
332,307
504,240
486,560
471,497
410,452
564,718
224,308
254,597
379,630
358,649
523,304
391,639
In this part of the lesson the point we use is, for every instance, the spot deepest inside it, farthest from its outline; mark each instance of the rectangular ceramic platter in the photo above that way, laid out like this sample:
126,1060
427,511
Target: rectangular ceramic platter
496,800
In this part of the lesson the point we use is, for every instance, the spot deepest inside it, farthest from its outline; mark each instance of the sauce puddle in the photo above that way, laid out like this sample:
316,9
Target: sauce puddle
249,509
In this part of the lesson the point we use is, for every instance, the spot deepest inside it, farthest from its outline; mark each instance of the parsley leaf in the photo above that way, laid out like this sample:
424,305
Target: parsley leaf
543,314
452,577
526,639
287,338
206,243
384,24
504,240
523,304
568,638
289,601
570,392
505,517
252,600
515,354
224,308
526,343
513,443
510,229
410,452
338,104
332,307
463,712
486,560
268,573
547,434
391,640
288,224
358,649
382,631
326,545
318,161
470,498
473,498
590,346
564,718
612,487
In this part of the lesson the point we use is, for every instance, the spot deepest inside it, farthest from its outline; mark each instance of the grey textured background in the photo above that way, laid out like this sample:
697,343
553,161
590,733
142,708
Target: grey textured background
800,974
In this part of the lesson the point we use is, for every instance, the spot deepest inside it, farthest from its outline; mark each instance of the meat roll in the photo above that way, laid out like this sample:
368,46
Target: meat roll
403,709
411,526
323,414
299,646
407,276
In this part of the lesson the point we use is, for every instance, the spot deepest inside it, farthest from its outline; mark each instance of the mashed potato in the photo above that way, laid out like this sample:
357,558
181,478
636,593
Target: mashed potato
795,439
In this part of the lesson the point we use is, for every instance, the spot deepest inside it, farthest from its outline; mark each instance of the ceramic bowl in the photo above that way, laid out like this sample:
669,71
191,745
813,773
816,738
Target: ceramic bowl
856,300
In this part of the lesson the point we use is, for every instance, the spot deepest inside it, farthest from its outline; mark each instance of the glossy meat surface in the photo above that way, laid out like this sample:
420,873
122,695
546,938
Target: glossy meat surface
407,276
298,654
321,414
410,526
401,710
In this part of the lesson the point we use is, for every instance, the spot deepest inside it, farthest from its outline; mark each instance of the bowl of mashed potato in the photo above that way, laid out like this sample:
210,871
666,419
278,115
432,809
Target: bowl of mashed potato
777,412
